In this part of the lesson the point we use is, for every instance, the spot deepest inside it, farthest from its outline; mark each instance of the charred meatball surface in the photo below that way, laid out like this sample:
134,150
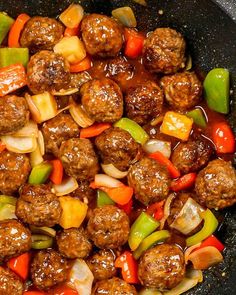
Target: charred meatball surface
108,227
102,35
161,267
215,185
114,286
164,51
102,100
10,283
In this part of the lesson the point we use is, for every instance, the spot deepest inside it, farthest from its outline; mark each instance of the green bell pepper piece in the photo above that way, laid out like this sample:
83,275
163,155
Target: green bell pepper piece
198,117
10,56
136,131
143,226
40,173
5,25
103,199
44,230
150,241
7,211
210,225
216,90
7,200
41,242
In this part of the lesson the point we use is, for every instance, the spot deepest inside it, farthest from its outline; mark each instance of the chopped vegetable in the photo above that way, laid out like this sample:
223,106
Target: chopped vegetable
120,195
40,173
134,43
41,143
10,56
223,138
149,292
81,66
198,117
36,157
29,130
156,210
189,63
63,92
7,200
64,290
141,2
166,210
94,130
5,25
155,145
41,242
183,182
2,146
126,207
103,199
103,180
126,16
19,145
7,211
80,116
72,16
214,242
48,231
71,32
129,267
57,171
34,293
112,171
16,28
67,186
177,125
20,265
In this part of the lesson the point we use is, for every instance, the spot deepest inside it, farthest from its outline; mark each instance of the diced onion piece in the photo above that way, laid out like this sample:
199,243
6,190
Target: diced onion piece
155,145
36,157
189,251
112,171
72,16
66,187
141,2
29,130
20,145
101,180
35,113
80,116
41,143
81,277
166,210
64,92
7,211
126,16
43,230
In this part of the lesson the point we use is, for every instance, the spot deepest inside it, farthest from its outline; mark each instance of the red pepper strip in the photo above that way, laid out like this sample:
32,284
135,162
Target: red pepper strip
16,28
12,78
81,66
63,290
2,146
156,210
127,207
34,293
129,267
211,241
94,130
160,158
134,43
223,138
183,182
71,32
20,265
57,171
120,195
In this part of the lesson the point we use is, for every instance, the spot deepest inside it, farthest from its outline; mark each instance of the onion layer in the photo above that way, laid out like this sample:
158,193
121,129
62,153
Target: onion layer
112,171
66,187
126,16
80,116
155,145
166,210
103,180
63,92
29,130
20,145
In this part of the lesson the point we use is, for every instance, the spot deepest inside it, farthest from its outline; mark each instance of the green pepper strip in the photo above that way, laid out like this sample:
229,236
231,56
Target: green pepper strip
48,231
153,239
41,242
10,56
7,200
103,199
210,225
5,25
40,173
7,211
143,226
134,130
198,117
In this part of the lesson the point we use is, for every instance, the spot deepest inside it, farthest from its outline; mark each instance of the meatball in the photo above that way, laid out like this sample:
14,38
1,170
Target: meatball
102,35
161,267
15,239
48,269
149,180
108,227
14,114
58,129
37,205
102,100
102,264
114,286
73,243
41,33
116,146
164,51
182,90
85,193
216,185
191,156
144,102
78,79
47,71
10,283
14,171
78,158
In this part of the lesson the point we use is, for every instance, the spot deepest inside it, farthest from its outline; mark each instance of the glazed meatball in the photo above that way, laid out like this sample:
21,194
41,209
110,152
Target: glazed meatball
144,102
48,269
78,158
47,71
14,171
116,146
73,243
57,130
85,193
216,185
161,267
102,264
108,227
114,286
14,114
41,33
164,51
15,239
149,180
102,100
78,79
191,156
10,283
37,205
102,35
182,90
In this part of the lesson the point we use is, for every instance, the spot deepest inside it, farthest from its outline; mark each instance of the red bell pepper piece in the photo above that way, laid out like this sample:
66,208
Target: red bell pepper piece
134,43
34,293
211,241
223,138
127,207
71,32
120,195
160,158
63,290
156,210
183,182
57,171
94,130
129,267
2,146
20,265
16,28
81,66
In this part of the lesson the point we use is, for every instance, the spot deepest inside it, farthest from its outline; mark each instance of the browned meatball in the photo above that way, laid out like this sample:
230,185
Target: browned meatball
78,79
15,239
164,51
58,129
47,71
85,193
48,269
14,171
102,35
114,286
38,206
78,158
10,283
102,264
73,243
41,33
116,146
102,100
144,102
161,267
108,227
149,180
216,185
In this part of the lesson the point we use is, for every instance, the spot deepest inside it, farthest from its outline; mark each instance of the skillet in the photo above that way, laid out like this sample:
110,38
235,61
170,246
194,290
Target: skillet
210,30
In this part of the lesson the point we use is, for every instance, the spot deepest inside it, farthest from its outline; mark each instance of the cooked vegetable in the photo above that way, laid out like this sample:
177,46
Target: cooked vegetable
189,63
166,210
126,207
71,32
72,16
16,28
120,195
81,66
126,16
80,116
214,242
7,211
223,138
103,199
10,56
7,200
41,143
129,267
94,130
56,175
20,144
63,92
36,157
183,182
67,186
103,180
5,25
29,130
2,146
156,210
134,43
48,231
64,290
155,145
41,242
112,171
20,265
40,173
198,117
141,2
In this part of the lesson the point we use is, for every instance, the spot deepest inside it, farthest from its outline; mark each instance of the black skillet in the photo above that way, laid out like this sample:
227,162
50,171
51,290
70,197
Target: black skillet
210,30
